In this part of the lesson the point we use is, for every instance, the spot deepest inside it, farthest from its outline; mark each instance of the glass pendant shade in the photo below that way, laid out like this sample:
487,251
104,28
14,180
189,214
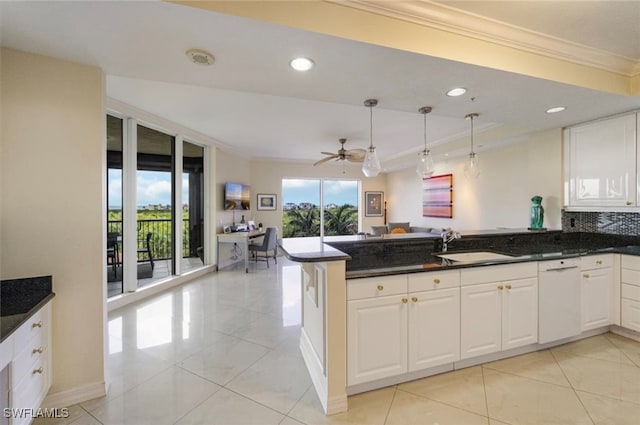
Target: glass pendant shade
425,161
371,165
472,167
425,165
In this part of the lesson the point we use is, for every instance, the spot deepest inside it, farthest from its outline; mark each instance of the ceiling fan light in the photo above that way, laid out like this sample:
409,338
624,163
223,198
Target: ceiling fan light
371,165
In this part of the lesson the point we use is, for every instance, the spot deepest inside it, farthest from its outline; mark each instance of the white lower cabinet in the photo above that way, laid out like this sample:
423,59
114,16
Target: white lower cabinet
596,286
501,314
434,328
376,338
389,335
630,292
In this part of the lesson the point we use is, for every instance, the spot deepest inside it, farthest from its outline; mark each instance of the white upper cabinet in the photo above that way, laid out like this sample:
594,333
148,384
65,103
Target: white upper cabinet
601,162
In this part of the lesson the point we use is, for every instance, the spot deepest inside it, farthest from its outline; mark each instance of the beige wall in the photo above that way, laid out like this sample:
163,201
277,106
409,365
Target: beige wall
500,197
52,216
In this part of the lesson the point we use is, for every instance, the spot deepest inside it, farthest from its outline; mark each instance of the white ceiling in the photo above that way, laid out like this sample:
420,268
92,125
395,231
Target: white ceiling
252,102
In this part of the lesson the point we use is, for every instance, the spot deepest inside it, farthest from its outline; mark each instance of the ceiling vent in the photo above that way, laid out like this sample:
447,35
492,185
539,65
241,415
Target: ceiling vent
200,57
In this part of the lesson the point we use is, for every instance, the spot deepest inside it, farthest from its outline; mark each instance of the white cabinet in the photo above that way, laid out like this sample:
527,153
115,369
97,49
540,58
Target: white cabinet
376,328
400,324
434,315
377,338
600,163
30,363
501,314
596,287
630,292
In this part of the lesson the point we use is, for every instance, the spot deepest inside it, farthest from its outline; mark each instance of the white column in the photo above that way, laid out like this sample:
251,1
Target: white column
129,207
177,216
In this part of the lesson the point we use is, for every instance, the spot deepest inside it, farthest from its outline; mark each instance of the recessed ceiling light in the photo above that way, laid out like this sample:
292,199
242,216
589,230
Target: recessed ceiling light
200,57
458,91
555,109
301,64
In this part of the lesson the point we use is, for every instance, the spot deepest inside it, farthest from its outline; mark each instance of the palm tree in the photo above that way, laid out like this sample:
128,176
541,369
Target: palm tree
339,221
302,223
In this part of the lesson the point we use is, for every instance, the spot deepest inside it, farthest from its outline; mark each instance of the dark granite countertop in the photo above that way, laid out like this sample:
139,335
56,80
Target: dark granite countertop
414,252
20,299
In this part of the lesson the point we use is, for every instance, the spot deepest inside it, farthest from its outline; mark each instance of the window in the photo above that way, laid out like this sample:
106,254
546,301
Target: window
312,207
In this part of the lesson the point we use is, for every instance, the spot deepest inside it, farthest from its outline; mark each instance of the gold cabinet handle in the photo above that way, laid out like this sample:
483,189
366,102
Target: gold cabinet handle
38,350
586,276
380,287
436,281
508,286
629,203
500,287
37,324
414,299
599,262
404,301
38,370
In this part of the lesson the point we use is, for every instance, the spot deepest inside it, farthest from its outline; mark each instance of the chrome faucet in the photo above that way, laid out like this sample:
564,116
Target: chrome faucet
448,235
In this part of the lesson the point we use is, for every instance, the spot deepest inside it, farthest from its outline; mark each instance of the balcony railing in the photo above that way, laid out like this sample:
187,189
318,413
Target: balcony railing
161,239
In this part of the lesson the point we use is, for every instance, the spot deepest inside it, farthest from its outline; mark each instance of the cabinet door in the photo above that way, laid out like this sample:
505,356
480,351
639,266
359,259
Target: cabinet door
631,314
376,338
481,319
602,162
596,298
519,313
434,328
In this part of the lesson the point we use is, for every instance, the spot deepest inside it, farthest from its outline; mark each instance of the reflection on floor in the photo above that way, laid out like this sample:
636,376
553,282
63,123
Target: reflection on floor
161,270
224,350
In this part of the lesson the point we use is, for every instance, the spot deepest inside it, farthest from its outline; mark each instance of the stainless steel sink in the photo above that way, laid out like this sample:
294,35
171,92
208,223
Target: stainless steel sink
470,257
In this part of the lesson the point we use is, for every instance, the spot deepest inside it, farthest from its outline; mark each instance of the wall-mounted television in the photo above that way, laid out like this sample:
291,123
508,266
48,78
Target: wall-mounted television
237,196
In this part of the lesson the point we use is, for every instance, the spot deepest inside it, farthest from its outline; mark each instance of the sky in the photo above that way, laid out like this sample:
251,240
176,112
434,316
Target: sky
153,187
337,192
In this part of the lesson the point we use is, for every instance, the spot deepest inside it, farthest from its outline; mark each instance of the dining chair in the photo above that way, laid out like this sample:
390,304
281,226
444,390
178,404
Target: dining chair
113,255
269,244
147,250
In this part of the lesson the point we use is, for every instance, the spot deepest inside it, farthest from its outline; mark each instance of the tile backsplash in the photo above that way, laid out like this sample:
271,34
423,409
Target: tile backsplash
618,223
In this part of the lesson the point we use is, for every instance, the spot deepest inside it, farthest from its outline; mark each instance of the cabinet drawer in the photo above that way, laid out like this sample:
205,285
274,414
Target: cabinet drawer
24,362
33,327
372,287
631,277
631,292
631,262
419,282
472,276
31,390
591,262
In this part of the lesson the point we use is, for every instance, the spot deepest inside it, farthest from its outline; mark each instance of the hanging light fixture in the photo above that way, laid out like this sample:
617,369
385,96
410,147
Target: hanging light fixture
425,161
471,168
371,164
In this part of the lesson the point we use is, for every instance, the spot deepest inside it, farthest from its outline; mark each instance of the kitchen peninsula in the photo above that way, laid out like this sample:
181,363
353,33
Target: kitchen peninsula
380,311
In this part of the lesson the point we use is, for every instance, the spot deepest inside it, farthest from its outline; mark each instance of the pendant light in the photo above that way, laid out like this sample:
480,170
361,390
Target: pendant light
471,168
371,164
425,161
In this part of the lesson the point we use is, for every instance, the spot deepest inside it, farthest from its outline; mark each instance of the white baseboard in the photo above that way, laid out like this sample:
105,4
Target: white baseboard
75,395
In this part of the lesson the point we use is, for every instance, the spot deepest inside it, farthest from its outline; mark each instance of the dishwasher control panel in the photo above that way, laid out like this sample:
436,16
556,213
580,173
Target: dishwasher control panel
565,263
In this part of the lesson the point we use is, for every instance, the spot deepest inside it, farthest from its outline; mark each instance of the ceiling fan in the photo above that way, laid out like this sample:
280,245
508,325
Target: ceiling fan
353,155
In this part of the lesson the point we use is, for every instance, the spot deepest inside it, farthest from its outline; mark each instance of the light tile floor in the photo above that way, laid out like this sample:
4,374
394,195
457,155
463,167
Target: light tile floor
224,350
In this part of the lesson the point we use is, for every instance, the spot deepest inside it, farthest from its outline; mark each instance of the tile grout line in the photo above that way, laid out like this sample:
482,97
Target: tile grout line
575,393
393,399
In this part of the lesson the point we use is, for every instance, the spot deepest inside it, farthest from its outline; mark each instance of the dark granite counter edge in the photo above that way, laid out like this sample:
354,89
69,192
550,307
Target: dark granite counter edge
26,316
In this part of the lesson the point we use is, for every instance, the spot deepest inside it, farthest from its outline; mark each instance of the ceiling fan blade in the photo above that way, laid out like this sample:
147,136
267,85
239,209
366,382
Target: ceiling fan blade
355,155
328,153
323,160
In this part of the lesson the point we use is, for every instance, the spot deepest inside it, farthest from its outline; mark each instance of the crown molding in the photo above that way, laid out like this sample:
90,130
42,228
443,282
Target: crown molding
441,17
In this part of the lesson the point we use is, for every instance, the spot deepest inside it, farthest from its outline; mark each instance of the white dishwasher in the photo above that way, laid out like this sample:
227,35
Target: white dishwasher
559,312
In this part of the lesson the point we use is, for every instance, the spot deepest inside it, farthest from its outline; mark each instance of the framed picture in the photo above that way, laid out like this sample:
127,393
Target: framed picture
373,202
266,202
437,196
